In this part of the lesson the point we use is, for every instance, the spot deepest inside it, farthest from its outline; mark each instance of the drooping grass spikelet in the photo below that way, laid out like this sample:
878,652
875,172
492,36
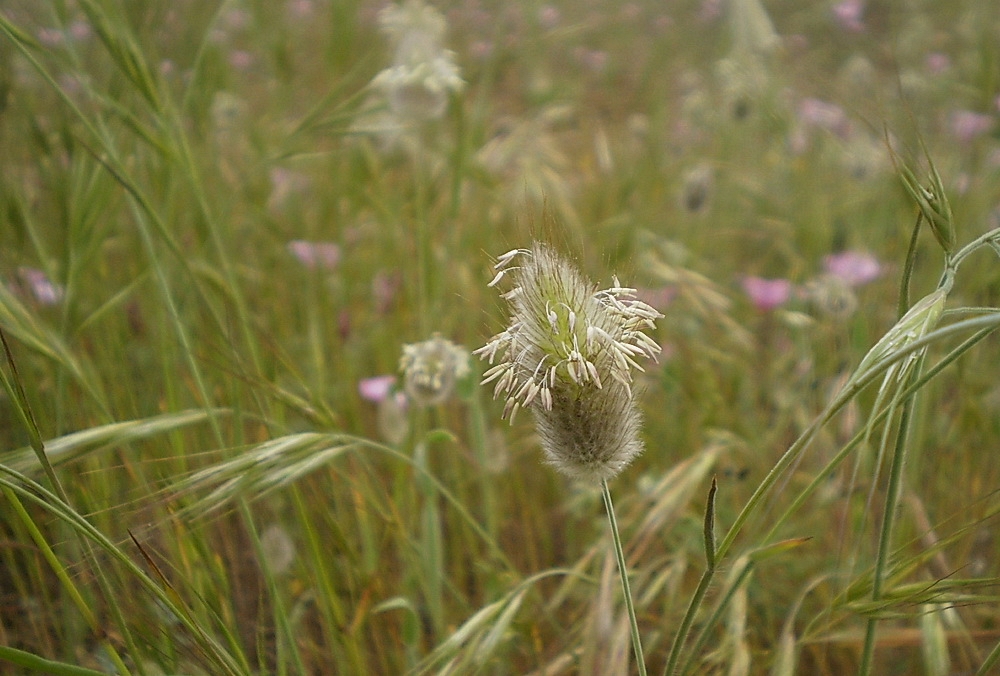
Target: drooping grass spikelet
568,355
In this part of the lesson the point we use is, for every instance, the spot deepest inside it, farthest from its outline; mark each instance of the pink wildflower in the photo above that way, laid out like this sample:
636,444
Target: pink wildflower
376,388
828,116
966,125
848,14
767,294
314,255
937,63
43,289
854,268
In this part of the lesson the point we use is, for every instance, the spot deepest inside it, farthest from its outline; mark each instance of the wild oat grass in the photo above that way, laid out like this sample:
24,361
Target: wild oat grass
225,226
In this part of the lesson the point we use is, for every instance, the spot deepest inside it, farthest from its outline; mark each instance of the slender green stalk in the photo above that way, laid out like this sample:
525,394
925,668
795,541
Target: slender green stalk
706,579
888,521
623,572
702,637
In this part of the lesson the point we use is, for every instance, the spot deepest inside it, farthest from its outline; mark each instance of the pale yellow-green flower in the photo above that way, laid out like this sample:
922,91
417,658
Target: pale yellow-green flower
568,354
431,369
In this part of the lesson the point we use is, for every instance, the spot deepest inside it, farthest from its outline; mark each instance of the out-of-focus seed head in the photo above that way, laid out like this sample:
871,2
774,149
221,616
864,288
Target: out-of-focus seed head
568,355
431,369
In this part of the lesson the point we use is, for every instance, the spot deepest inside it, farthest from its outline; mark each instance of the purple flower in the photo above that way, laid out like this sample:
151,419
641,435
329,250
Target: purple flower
848,14
710,10
854,268
51,37
828,116
44,291
314,255
966,125
300,9
80,30
376,388
937,63
767,294
549,17
240,59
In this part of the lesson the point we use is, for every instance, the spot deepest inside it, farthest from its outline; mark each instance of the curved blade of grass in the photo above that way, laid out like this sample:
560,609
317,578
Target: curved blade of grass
101,438
33,662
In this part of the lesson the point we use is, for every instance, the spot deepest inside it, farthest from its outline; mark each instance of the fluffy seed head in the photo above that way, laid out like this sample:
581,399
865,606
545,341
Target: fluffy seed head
568,355
431,369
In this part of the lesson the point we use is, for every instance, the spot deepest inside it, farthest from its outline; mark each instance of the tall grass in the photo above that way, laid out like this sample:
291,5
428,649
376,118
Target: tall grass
197,479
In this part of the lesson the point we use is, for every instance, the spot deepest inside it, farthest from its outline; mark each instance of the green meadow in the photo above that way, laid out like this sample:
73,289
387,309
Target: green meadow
246,254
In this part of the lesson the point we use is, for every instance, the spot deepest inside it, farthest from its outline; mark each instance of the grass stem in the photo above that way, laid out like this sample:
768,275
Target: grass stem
623,572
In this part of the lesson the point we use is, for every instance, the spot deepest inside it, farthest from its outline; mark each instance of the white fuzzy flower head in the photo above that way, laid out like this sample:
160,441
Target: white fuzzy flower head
419,91
423,72
415,29
431,369
568,355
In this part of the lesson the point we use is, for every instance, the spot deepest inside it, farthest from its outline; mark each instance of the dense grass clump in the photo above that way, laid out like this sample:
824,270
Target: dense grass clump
244,256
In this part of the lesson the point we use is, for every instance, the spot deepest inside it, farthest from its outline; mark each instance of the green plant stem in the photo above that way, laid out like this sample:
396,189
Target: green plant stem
888,521
688,620
623,572
703,635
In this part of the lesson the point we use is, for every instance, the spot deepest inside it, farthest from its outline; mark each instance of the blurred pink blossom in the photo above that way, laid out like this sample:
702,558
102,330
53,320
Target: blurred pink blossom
314,255
631,11
594,60
300,9
240,59
966,125
80,30
376,388
854,268
848,14
828,116
937,63
767,294
548,16
385,289
284,184
51,37
236,19
480,49
43,289
710,10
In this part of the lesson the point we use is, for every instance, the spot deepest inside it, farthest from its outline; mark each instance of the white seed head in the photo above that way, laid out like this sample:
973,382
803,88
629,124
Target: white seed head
568,355
431,369
423,72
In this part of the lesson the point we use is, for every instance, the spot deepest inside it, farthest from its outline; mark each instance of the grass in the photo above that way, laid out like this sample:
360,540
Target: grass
193,482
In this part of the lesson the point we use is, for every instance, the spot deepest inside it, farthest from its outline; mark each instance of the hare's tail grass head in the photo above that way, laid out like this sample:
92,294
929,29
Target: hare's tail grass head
568,354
